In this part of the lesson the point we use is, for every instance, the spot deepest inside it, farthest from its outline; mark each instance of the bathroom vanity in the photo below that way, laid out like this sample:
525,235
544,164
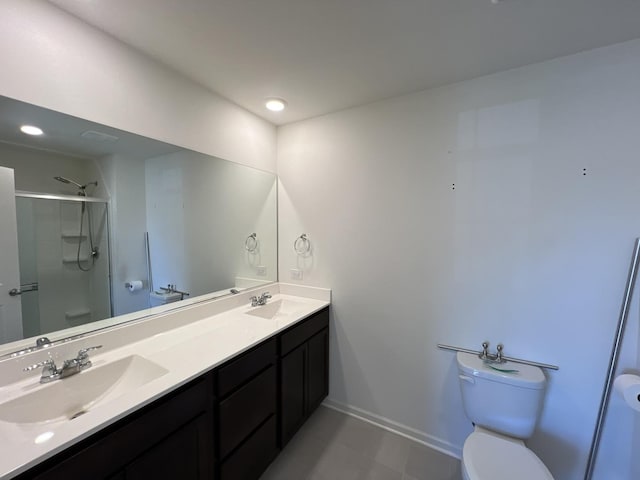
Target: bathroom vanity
238,384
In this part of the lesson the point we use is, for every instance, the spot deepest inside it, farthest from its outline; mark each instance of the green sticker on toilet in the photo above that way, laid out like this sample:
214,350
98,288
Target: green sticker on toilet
503,370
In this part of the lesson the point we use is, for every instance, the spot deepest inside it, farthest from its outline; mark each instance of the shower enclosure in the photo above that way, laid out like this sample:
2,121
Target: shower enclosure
64,260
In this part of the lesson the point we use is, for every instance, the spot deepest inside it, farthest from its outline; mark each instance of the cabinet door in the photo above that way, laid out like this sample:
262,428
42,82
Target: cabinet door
293,391
165,432
318,370
177,456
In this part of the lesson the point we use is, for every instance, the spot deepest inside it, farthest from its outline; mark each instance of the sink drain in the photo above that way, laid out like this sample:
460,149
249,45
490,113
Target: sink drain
77,414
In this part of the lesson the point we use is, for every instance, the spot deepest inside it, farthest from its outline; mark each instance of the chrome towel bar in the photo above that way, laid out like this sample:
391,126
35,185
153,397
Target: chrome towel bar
509,359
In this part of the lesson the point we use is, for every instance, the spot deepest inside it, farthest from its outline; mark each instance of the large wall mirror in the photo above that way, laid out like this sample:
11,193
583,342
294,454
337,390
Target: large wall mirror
110,224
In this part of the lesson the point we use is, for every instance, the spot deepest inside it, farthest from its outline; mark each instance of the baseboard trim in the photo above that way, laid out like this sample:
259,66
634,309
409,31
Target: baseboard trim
395,427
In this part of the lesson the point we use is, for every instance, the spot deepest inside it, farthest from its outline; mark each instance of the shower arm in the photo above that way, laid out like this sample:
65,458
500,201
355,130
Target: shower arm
73,182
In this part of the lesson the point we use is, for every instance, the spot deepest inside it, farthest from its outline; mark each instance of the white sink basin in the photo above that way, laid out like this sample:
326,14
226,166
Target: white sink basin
65,399
277,308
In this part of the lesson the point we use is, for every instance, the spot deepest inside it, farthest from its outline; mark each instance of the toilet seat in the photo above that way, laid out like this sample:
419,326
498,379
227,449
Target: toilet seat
486,456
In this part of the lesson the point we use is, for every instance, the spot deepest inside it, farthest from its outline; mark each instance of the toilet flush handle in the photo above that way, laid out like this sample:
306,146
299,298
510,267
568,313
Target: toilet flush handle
467,378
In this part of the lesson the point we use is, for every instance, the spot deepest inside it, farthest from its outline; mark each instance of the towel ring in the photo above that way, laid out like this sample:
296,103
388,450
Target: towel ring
251,243
302,245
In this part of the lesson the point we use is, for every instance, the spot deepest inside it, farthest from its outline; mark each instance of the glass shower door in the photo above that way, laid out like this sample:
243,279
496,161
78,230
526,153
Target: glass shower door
64,263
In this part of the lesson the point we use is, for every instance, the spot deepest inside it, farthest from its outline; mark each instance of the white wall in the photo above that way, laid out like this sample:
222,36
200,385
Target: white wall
196,205
502,209
51,59
35,169
124,179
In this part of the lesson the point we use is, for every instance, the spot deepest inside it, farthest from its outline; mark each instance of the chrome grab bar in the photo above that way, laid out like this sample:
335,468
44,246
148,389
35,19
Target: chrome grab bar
508,359
24,288
613,360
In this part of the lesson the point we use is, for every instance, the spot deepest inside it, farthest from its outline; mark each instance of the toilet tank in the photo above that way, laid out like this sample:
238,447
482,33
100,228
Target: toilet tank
162,298
505,402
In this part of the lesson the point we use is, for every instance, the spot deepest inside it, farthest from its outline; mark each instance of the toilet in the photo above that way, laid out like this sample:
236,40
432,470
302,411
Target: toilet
504,406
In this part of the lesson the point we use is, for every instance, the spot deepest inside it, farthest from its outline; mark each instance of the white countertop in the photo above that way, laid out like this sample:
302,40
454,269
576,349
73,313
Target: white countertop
186,348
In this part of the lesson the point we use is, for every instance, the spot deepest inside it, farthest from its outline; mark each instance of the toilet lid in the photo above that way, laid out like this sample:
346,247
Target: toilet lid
489,457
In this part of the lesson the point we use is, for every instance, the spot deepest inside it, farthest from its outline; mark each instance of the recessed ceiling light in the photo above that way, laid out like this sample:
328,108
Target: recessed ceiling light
275,104
31,130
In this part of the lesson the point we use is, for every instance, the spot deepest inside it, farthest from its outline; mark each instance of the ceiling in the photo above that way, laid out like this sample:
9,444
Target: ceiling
327,55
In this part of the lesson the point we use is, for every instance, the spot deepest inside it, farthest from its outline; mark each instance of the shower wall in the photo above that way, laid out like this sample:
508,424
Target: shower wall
48,241
47,234
48,244
35,169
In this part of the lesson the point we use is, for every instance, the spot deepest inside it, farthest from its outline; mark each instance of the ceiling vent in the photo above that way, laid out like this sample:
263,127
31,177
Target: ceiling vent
99,137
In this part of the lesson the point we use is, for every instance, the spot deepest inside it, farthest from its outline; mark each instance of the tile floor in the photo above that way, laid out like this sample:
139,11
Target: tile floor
335,446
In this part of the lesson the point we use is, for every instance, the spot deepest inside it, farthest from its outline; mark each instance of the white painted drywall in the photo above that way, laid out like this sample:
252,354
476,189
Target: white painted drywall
51,59
195,205
124,179
500,209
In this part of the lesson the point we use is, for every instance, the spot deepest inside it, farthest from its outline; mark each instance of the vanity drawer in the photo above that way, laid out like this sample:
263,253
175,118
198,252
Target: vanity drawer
302,331
238,371
244,410
254,456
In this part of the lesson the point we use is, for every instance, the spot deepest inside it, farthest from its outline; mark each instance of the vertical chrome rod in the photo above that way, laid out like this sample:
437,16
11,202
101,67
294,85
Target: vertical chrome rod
149,273
613,362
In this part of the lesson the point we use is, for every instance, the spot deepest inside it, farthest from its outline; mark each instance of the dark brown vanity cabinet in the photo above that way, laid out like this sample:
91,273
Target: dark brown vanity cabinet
304,371
171,438
228,424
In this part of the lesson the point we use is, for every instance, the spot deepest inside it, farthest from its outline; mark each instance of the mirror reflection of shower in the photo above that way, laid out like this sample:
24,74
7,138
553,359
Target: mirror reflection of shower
93,249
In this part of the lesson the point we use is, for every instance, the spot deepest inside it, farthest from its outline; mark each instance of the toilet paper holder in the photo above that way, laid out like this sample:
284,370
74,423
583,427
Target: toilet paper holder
628,387
134,285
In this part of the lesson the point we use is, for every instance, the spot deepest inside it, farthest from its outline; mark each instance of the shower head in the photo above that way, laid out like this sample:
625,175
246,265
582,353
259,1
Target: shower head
81,187
66,180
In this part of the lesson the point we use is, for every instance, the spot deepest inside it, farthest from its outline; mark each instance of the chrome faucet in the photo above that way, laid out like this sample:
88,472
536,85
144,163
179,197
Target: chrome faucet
51,372
261,300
